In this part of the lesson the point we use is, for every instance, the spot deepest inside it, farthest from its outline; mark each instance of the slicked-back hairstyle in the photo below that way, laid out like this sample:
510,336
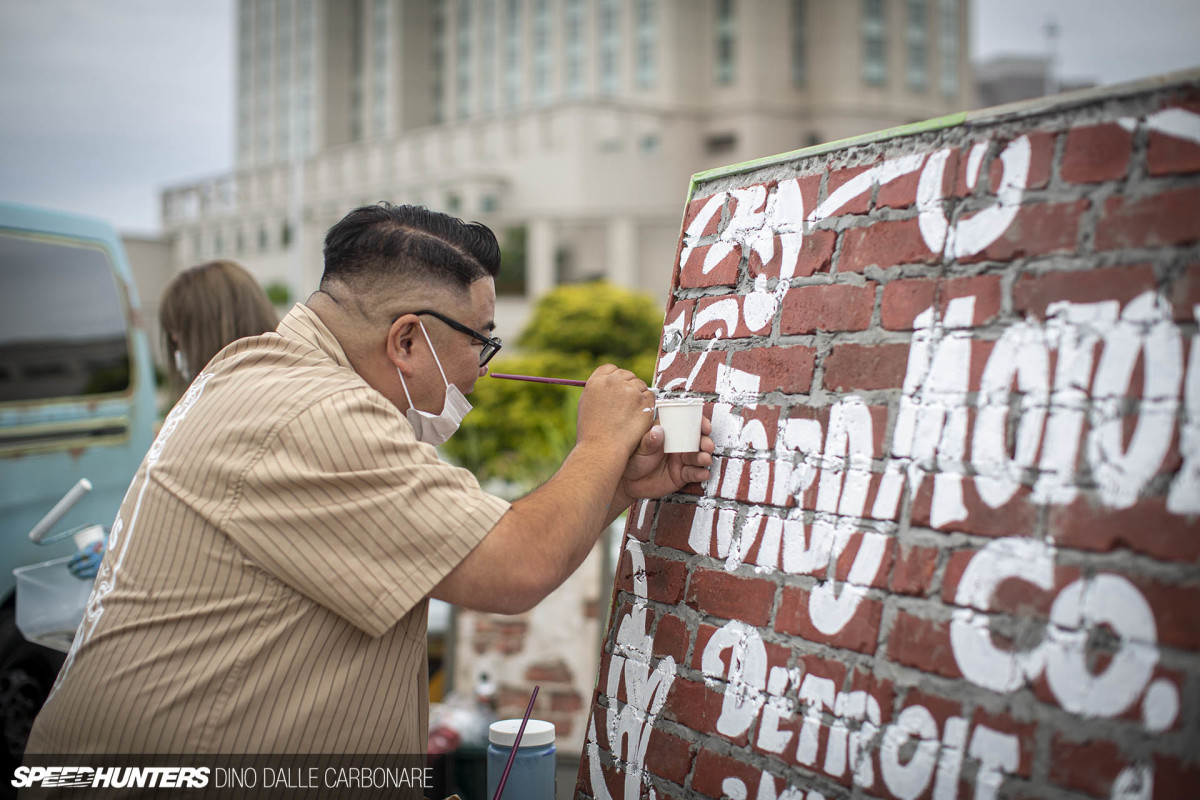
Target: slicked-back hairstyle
374,244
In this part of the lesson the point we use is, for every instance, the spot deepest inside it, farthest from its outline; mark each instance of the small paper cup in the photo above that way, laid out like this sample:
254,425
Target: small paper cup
680,420
91,535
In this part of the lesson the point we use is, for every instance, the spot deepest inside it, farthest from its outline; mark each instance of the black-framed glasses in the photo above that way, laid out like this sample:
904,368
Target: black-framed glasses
491,344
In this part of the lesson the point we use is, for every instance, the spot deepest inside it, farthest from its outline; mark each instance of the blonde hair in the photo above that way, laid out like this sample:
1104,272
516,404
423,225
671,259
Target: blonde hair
208,306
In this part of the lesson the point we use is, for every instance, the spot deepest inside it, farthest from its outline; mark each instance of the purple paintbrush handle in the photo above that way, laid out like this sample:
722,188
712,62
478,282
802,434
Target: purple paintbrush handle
536,379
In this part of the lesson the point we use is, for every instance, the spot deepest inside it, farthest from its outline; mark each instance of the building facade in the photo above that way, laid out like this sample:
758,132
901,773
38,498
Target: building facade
569,126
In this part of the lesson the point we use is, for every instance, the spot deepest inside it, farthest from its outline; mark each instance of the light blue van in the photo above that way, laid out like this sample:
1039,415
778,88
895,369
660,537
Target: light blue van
76,401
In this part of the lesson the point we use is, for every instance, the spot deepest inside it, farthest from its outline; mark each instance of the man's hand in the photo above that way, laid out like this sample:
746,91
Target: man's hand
651,473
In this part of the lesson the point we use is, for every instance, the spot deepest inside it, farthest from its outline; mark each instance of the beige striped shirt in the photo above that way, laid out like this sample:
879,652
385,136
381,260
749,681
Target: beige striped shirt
265,586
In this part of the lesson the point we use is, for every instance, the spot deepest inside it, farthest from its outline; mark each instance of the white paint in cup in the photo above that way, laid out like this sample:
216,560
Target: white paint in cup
680,420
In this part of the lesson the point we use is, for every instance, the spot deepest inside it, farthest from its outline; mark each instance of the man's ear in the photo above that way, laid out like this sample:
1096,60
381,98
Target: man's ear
401,338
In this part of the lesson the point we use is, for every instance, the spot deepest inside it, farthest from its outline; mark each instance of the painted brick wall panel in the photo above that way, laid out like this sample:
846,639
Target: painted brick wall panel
950,548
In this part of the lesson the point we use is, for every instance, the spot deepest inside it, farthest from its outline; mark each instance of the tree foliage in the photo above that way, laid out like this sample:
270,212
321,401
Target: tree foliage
520,432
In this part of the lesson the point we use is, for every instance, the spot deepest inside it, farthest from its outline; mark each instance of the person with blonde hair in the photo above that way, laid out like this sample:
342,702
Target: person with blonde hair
205,308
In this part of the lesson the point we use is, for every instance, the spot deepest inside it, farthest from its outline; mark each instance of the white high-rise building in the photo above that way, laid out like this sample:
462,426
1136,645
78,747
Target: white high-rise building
569,126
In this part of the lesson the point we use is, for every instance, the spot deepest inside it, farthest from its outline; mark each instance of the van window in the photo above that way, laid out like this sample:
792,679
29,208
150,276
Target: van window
62,321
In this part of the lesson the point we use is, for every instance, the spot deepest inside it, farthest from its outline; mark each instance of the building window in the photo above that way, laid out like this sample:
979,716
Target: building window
264,240
948,46
462,69
542,57
437,50
799,49
916,37
725,41
610,46
720,144
358,70
874,36
647,42
512,54
487,56
380,68
576,48
650,144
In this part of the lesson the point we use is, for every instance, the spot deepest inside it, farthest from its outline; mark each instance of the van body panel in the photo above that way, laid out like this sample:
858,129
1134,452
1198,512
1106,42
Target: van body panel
50,434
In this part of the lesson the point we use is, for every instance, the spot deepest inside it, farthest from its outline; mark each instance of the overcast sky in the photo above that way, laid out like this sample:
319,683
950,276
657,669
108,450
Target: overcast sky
104,102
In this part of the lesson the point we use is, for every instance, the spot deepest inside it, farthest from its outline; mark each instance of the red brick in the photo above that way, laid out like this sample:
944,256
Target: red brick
882,689
1089,766
1185,294
710,329
782,369
777,655
713,768
731,597
904,300
1096,153
693,705
1033,293
940,708
861,203
854,367
834,307
672,638
1172,155
922,643
816,253
683,365
899,193
1167,218
1145,527
913,570
846,560
548,671
669,756
884,244
723,273
566,701
1041,159
673,526
1017,517
1174,779
1174,610
861,633
1013,595
641,532
693,210
614,779
665,578
1038,229
1024,732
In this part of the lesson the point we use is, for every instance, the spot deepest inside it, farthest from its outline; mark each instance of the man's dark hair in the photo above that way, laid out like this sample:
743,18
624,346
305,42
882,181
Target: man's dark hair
374,243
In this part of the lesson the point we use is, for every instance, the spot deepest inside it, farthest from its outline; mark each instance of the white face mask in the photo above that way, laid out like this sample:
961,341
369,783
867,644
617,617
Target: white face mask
436,428
182,365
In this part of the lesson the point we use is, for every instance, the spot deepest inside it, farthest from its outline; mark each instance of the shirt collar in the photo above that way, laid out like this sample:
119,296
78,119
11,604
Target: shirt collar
302,325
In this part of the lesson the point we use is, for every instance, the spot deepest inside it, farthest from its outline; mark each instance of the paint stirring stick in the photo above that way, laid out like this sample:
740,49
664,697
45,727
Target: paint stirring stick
537,379
516,742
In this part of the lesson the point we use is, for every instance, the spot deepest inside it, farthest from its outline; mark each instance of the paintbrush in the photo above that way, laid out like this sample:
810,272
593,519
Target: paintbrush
558,381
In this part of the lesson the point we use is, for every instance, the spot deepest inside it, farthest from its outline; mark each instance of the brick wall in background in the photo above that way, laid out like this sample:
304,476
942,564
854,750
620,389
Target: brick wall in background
950,547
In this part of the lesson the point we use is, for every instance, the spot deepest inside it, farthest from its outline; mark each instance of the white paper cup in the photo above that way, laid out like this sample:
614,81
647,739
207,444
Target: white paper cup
92,534
680,420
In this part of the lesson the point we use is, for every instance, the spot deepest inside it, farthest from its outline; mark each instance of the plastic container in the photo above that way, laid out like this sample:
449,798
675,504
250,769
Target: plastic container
532,773
50,603
680,420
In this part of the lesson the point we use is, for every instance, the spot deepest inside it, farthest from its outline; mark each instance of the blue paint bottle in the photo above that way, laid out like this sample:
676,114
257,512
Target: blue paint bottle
532,774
